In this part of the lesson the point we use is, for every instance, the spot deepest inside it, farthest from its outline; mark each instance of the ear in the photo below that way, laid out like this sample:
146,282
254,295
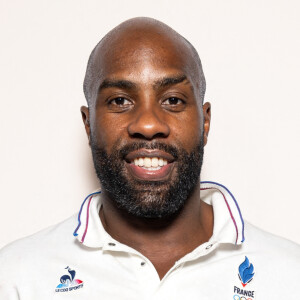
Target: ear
206,119
86,120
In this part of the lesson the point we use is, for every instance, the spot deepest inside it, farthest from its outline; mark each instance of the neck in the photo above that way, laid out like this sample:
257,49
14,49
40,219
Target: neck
162,241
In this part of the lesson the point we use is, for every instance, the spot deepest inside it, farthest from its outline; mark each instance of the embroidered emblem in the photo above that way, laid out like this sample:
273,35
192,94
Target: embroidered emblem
68,282
246,272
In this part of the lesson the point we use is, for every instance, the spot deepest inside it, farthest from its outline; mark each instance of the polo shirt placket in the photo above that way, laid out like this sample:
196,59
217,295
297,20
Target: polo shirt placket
228,228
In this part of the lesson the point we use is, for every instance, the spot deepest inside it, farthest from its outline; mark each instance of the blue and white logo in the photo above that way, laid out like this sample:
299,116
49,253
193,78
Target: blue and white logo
246,272
68,282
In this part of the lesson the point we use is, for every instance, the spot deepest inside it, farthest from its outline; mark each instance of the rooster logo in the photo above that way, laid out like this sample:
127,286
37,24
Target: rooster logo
246,272
68,280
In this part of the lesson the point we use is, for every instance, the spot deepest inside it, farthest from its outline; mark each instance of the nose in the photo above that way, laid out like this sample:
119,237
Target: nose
148,124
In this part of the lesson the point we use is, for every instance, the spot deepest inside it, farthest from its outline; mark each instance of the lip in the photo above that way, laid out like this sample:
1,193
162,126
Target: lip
149,153
151,175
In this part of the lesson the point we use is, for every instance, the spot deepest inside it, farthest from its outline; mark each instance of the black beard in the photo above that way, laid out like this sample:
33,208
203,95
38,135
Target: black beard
148,199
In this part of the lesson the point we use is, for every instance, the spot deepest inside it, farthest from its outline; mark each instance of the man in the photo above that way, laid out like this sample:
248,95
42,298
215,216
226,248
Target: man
147,234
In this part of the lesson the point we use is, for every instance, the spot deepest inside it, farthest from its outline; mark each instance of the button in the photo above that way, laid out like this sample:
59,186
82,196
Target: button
143,263
111,244
209,246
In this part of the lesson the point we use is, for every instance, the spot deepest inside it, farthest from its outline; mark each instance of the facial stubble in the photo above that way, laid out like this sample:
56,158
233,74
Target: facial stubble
148,199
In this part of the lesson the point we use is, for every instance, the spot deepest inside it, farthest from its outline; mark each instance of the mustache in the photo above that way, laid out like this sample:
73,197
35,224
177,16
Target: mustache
123,151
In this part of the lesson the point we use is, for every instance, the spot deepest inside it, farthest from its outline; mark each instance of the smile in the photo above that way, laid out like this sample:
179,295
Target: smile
150,165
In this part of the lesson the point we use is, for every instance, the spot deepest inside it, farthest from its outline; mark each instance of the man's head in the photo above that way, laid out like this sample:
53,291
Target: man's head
140,37
146,124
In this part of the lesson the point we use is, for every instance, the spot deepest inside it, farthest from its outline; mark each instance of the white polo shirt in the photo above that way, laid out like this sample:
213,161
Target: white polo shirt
238,262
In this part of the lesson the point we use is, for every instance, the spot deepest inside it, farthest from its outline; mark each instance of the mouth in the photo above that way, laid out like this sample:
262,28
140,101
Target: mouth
152,165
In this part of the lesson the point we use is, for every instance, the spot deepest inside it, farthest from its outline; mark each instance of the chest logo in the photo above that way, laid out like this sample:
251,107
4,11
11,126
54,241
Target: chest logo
246,272
68,282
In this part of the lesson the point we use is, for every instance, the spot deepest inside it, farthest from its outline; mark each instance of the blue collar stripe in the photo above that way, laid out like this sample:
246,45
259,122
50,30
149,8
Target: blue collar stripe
79,214
224,187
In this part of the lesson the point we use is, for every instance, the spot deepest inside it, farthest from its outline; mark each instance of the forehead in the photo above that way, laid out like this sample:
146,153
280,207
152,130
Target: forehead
144,54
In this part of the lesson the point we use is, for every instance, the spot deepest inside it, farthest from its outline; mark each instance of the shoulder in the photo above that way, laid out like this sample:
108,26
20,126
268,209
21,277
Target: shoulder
28,261
30,250
44,238
263,239
272,248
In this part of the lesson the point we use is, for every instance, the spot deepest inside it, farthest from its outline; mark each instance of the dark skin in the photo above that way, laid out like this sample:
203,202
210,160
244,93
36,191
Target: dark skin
150,92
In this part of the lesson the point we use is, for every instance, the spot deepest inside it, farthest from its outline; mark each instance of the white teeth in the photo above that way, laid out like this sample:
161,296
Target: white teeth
151,163
154,162
160,162
147,162
141,162
153,169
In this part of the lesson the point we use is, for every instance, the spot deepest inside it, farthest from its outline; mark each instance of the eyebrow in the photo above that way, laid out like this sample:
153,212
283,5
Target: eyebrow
167,81
121,84
129,85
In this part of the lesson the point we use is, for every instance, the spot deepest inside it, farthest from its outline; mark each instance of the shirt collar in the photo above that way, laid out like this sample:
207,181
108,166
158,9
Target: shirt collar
228,221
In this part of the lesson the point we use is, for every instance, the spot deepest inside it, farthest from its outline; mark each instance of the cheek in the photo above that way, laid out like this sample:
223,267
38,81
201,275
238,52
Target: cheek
108,130
187,129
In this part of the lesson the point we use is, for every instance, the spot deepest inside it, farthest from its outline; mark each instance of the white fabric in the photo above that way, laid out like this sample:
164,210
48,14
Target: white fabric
31,268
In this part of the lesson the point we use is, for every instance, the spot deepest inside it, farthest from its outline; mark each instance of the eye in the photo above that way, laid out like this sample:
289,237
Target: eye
174,104
120,101
173,101
119,104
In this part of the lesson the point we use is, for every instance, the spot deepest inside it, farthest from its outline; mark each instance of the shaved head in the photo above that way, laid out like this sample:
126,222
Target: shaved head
145,86
144,39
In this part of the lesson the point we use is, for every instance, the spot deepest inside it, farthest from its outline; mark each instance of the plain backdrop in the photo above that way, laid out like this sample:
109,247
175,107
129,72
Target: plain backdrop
250,55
